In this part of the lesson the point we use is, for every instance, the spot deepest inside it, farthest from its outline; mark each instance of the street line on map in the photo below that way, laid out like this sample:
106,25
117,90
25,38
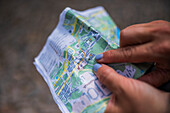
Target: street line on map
64,64
75,22
79,62
66,61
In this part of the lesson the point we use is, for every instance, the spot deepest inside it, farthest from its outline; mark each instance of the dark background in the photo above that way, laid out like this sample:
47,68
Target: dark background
24,28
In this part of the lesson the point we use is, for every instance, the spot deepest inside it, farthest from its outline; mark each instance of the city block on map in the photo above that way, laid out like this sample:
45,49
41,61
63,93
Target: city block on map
67,59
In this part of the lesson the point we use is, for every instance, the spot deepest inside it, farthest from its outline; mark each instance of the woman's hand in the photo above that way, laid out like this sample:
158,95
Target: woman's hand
149,42
130,95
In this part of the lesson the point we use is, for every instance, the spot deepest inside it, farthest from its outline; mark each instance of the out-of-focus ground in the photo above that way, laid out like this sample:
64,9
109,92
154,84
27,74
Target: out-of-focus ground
24,28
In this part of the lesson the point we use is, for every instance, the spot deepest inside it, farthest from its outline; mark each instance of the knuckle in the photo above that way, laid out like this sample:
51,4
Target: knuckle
159,32
109,54
160,50
127,52
152,50
159,21
160,26
164,47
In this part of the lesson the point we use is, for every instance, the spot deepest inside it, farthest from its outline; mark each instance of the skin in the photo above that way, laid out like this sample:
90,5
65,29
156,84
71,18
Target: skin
149,42
130,95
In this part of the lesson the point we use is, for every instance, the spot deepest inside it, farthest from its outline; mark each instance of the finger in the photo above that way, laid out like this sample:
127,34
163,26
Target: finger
135,34
156,78
132,54
141,33
110,78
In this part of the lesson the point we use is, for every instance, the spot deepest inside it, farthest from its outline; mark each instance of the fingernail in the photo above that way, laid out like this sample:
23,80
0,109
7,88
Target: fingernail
99,56
96,67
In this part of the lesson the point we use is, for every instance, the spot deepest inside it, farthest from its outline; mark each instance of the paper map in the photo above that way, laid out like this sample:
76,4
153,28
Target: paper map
67,59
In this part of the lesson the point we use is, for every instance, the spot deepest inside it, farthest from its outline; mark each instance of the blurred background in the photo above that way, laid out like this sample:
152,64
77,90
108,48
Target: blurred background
24,28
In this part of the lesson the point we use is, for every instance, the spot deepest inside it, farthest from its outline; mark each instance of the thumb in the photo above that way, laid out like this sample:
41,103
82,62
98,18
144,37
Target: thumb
109,77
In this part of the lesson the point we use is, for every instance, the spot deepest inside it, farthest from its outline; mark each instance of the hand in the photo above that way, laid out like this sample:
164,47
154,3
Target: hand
130,95
148,42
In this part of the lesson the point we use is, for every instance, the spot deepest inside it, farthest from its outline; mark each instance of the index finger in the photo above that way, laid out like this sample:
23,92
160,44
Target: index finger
131,54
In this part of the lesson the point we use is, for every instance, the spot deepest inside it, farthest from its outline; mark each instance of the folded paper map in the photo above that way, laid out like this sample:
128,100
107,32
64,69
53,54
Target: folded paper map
67,59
